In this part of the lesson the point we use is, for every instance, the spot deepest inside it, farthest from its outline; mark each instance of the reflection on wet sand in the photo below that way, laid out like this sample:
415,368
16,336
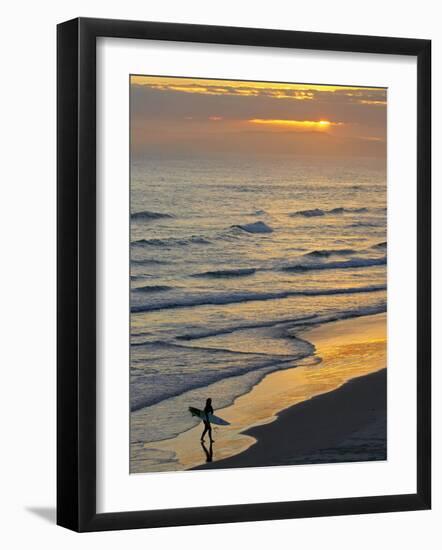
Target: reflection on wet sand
208,451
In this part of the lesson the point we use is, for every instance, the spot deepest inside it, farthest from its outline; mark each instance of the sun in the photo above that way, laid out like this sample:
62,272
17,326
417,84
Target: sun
296,124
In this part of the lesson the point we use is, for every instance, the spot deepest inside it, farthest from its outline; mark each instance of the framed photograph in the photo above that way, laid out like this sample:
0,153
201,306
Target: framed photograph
243,274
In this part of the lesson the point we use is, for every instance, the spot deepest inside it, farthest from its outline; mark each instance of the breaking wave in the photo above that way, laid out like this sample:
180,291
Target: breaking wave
224,298
170,242
326,253
148,215
153,288
333,212
221,273
346,264
257,227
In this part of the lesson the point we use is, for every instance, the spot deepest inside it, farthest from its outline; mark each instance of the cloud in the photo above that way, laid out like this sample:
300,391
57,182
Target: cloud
298,92
181,114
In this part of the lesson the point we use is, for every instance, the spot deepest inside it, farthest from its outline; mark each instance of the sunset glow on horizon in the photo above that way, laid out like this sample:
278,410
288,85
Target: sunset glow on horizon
299,124
184,115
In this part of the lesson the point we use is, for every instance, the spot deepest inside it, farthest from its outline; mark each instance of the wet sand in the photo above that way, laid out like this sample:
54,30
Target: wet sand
348,424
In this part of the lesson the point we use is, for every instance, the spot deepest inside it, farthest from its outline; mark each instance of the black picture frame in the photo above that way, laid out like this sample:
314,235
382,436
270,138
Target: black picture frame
77,286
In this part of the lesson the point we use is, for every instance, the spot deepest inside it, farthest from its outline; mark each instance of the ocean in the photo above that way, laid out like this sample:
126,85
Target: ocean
229,257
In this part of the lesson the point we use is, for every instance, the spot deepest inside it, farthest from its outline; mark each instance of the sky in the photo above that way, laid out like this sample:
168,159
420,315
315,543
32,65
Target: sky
176,116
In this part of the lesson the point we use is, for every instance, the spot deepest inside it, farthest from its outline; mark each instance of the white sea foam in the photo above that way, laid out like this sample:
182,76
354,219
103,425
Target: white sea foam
256,227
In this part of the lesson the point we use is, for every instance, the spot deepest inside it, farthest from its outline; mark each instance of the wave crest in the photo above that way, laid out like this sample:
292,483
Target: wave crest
153,288
149,215
239,297
257,227
334,211
221,273
172,241
326,253
346,264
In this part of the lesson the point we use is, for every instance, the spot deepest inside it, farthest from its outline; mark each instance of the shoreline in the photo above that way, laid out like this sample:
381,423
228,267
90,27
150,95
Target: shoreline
349,351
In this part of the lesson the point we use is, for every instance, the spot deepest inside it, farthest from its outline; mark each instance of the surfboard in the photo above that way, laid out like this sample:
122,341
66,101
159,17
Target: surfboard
213,419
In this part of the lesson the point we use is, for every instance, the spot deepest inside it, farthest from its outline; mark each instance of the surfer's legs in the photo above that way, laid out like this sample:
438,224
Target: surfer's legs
206,429
209,429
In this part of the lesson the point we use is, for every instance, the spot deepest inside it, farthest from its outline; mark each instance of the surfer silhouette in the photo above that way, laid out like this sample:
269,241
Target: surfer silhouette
207,426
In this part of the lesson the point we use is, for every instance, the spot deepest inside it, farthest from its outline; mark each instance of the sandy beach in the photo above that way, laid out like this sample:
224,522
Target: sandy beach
330,407
348,424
